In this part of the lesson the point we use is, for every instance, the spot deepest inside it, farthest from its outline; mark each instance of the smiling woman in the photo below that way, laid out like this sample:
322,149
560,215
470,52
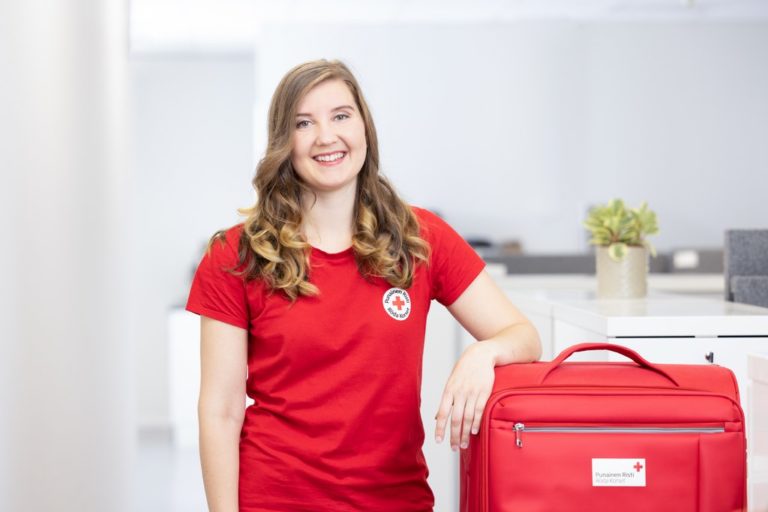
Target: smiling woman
326,288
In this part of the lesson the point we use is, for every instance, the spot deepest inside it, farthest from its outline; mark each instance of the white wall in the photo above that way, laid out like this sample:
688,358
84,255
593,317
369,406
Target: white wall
678,114
192,169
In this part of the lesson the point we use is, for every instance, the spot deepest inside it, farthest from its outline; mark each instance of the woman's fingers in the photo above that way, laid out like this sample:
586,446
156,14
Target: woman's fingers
457,418
469,416
464,398
442,415
465,412
482,399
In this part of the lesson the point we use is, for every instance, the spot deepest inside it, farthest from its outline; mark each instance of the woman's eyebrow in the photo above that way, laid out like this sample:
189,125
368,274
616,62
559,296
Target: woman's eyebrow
332,110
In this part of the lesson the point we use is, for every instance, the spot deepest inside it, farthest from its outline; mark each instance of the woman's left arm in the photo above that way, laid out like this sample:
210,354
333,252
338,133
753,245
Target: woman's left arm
505,336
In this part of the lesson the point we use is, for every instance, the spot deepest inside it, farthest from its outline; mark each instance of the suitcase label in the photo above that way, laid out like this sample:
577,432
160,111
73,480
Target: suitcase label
618,472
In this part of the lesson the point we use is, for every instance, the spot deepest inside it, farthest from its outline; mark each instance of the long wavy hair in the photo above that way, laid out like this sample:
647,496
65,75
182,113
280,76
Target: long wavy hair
385,239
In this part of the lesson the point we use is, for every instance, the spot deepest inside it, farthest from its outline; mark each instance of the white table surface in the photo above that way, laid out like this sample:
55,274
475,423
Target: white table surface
707,284
659,314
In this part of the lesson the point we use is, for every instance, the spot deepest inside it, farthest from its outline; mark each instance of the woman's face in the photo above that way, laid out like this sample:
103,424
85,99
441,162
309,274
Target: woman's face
329,144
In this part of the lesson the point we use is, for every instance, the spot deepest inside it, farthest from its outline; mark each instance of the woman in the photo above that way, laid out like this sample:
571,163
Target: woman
322,293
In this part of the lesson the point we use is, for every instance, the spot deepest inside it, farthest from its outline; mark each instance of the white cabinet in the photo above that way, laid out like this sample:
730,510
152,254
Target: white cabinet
566,334
758,404
440,354
543,324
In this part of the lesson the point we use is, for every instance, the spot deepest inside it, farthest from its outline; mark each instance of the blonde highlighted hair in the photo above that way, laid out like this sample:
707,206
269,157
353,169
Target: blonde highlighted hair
385,238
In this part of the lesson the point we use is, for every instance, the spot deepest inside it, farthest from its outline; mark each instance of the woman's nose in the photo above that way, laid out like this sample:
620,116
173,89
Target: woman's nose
325,134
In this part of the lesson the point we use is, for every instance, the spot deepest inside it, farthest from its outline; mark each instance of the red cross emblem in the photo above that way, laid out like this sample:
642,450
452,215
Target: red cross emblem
397,303
638,466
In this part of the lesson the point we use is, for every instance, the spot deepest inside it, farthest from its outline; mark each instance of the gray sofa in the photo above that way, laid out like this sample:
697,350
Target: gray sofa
746,266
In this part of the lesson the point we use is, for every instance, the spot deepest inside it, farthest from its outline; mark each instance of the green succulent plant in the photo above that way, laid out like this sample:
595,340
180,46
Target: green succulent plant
617,227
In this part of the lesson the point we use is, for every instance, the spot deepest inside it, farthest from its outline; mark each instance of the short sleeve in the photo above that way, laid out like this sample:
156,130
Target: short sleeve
216,293
454,264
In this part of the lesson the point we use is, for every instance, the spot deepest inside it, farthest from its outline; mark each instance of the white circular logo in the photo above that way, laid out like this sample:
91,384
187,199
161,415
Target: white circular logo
397,303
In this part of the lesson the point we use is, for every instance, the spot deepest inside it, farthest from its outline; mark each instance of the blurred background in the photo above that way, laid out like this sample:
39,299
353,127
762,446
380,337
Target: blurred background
130,131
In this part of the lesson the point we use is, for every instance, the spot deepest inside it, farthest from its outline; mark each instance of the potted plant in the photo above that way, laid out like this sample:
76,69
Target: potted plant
622,250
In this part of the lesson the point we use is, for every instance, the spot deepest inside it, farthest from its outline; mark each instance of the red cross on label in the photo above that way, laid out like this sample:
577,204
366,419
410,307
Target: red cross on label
638,466
397,303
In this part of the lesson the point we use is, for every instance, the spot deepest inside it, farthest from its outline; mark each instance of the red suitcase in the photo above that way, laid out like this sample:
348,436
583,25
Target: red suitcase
608,436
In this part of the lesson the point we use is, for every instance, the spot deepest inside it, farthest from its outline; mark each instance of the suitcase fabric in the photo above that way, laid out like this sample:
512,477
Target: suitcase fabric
607,436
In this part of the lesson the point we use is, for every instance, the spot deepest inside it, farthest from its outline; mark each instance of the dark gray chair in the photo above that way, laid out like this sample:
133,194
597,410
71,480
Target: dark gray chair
746,266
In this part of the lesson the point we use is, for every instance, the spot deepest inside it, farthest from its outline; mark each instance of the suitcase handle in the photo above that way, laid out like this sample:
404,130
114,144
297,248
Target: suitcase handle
584,347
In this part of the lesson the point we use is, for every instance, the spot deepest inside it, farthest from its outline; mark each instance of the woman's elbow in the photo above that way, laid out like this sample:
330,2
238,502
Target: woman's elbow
535,343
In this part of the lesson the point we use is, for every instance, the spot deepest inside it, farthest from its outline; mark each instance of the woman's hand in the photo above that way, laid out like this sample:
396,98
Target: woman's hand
484,310
467,391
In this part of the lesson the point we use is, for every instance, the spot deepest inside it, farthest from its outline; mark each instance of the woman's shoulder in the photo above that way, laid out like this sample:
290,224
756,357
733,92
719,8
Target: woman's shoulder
429,221
224,243
234,233
418,210
435,230
424,215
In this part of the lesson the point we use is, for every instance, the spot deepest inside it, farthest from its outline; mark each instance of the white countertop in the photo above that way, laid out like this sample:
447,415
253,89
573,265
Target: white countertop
660,314
707,284
664,316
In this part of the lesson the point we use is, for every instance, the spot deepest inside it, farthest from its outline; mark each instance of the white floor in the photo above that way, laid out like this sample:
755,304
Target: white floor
167,479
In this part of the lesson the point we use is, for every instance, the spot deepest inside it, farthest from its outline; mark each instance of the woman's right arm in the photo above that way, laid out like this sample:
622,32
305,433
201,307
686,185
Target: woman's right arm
221,410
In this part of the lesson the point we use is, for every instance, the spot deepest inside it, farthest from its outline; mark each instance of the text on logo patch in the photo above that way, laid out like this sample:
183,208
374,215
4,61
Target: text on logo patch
618,472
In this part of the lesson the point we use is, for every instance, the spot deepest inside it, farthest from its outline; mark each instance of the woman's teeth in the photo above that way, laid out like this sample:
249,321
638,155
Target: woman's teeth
329,158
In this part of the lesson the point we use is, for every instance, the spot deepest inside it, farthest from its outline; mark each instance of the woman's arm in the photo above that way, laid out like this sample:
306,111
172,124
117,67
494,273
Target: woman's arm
221,410
506,336
489,316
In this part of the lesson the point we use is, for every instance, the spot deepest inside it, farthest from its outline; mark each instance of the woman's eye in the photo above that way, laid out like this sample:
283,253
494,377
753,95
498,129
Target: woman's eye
301,124
345,116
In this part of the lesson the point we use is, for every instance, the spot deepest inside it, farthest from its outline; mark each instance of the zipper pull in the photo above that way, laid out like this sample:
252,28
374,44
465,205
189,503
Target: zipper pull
519,427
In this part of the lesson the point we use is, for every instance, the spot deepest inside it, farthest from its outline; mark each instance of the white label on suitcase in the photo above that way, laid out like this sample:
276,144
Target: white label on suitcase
618,472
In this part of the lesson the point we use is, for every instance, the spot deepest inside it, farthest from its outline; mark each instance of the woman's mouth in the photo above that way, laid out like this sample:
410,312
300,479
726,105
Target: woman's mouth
330,159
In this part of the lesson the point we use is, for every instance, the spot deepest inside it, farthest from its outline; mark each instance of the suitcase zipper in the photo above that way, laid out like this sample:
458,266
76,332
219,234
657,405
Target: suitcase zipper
520,428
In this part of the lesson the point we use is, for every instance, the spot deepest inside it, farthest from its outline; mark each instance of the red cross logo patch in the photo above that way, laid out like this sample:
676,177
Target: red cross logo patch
397,303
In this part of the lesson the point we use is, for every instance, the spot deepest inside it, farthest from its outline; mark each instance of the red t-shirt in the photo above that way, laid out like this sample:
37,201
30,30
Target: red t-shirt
336,378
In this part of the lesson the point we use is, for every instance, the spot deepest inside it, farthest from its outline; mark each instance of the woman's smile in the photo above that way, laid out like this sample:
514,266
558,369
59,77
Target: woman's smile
330,159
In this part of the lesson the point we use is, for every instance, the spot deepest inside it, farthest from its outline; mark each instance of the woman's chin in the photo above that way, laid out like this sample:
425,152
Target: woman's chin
327,186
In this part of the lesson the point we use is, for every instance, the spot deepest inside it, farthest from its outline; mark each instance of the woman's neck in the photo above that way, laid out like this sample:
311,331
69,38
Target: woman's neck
328,221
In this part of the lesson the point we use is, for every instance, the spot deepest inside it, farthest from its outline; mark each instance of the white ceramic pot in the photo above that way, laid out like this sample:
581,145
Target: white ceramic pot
625,279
